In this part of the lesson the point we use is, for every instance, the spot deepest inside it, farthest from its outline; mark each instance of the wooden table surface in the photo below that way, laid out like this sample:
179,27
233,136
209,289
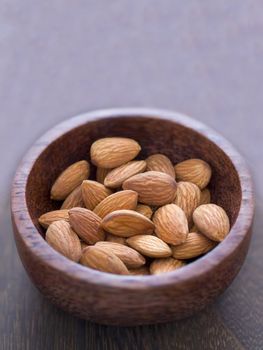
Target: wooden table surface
57,59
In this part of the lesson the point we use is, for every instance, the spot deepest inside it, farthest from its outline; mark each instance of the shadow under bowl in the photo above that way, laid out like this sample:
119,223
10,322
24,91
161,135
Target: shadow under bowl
131,300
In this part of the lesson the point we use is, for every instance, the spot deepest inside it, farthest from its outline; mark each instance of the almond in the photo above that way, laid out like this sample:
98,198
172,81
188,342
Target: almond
69,179
150,246
101,174
93,193
165,265
144,210
117,201
63,239
140,271
187,198
205,197
153,187
115,239
74,199
171,224
212,221
196,244
117,176
86,224
126,223
161,163
98,259
194,170
129,256
111,152
48,218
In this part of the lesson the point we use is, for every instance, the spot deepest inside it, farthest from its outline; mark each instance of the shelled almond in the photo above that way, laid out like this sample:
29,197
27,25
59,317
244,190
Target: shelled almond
196,171
93,193
150,246
101,260
196,244
86,224
69,179
145,210
171,224
62,238
130,257
187,198
153,187
161,163
117,176
117,201
126,223
51,216
74,199
165,265
138,216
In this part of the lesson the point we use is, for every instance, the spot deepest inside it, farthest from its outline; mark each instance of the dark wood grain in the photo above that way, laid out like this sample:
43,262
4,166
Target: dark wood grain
124,300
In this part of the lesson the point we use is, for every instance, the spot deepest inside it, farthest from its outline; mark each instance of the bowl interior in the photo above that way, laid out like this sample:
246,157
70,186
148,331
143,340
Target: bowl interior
155,136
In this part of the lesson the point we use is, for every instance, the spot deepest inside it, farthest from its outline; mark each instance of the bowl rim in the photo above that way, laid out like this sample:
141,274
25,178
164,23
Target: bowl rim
29,234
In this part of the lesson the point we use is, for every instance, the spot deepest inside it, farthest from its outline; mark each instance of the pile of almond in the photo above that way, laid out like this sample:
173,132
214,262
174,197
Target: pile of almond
139,217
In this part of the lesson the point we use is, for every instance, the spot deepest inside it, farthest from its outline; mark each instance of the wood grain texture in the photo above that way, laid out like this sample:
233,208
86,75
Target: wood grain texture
140,300
202,58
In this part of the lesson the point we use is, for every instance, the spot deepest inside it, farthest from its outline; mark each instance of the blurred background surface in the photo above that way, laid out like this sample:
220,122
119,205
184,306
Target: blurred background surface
58,59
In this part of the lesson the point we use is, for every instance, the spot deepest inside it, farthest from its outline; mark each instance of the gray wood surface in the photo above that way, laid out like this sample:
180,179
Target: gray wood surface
57,59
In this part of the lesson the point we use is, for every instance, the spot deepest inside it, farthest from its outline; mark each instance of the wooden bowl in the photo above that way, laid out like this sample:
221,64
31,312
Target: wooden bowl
131,300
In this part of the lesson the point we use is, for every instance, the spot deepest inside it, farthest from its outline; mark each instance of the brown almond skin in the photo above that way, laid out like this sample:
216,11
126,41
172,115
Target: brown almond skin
74,199
86,224
196,171
187,198
205,197
63,239
69,179
115,239
93,193
144,210
117,201
117,176
153,187
126,223
159,266
111,152
196,244
140,271
130,257
101,260
101,173
171,224
212,221
150,246
55,215
159,162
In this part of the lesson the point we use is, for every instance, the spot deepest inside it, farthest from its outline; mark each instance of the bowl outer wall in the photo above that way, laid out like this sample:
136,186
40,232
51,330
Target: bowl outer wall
226,259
